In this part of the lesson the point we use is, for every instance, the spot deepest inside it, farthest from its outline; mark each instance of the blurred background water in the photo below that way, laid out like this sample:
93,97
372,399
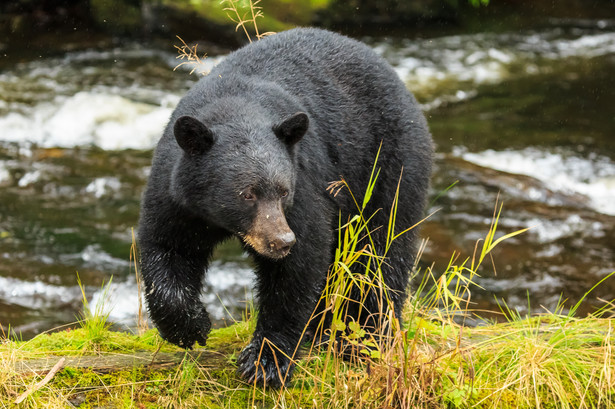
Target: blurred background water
526,114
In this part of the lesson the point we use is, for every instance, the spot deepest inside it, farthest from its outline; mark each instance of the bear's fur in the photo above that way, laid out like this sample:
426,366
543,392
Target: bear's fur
249,152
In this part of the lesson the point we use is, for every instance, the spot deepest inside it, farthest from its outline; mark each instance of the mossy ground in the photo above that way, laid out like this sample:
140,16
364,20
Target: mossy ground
548,361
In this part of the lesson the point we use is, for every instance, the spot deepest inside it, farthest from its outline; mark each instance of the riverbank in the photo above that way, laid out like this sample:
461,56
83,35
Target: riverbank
553,361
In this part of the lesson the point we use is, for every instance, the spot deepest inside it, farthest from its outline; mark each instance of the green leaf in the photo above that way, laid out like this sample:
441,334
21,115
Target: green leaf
338,325
356,332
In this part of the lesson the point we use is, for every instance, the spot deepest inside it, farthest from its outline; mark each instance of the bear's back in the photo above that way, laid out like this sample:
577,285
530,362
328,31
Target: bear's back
310,57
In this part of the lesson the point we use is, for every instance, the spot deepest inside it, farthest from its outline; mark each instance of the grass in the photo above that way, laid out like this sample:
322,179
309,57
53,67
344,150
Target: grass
95,322
552,360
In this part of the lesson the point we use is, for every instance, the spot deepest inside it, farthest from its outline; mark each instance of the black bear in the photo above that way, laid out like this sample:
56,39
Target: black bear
249,152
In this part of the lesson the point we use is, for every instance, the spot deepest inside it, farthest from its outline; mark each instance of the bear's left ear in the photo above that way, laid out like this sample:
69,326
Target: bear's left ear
192,135
292,129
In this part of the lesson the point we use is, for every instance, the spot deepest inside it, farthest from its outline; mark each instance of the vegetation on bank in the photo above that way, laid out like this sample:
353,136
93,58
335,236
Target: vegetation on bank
553,361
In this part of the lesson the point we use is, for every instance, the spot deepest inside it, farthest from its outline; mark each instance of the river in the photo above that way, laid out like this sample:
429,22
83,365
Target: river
528,116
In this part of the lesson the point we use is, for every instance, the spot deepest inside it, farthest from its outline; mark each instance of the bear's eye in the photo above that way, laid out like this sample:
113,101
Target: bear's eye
284,193
248,195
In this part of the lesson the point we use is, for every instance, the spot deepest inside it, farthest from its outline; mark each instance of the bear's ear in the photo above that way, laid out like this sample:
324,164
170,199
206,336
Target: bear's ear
192,135
292,129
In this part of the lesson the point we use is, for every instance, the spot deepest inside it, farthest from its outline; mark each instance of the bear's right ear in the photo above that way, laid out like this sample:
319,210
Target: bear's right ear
292,129
192,135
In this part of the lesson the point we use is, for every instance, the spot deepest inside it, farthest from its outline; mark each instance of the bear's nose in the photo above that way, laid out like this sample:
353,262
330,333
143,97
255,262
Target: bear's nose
283,242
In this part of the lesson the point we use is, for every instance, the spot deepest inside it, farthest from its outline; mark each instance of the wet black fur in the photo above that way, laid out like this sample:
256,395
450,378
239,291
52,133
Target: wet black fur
354,101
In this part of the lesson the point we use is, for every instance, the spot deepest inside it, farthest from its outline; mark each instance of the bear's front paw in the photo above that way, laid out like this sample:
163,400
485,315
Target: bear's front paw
264,363
185,331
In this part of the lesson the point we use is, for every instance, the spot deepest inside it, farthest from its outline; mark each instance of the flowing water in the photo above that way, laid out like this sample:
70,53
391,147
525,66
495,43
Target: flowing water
528,116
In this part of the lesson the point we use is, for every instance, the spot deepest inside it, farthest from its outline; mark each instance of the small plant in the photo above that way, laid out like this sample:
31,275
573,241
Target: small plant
182,384
95,322
450,293
8,357
244,14
356,248
190,56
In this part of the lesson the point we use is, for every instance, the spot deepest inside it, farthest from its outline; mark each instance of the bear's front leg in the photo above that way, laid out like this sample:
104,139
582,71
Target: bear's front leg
287,294
172,290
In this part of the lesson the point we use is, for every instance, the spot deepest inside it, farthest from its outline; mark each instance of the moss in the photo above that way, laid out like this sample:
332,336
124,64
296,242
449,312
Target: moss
230,339
75,340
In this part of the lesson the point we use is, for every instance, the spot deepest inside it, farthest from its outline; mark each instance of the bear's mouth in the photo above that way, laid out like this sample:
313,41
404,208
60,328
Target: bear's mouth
275,249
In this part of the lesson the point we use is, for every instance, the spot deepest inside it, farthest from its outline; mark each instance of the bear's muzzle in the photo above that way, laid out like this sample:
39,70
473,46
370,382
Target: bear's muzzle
270,234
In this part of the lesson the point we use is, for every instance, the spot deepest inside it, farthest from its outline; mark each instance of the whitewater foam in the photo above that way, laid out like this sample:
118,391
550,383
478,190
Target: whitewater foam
36,294
5,175
471,60
593,177
108,121
100,187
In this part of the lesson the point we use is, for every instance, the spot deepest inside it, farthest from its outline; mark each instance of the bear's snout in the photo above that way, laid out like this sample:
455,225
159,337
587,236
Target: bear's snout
270,234
283,243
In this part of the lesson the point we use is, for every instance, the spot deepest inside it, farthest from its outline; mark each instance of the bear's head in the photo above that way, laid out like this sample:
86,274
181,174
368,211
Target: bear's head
240,176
